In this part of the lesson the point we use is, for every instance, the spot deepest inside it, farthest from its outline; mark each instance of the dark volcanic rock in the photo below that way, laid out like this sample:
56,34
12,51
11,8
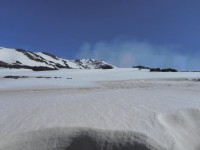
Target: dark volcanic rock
106,66
162,70
156,69
16,77
41,68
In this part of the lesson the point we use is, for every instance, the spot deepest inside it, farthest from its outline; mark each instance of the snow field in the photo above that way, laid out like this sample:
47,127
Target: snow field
156,110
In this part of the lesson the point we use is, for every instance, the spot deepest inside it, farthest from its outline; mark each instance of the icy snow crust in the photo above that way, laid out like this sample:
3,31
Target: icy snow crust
118,109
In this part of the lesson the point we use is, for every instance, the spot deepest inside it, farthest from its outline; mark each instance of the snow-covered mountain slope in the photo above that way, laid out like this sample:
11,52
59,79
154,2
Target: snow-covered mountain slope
93,64
19,58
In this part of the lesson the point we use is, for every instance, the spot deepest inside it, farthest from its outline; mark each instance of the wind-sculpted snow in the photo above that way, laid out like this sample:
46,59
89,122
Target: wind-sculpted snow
184,127
117,109
80,139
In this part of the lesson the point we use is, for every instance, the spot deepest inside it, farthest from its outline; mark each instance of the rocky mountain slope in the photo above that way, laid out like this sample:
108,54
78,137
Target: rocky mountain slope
93,64
39,61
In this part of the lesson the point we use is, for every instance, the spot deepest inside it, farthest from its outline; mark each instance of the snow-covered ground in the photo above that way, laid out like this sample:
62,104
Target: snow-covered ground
156,110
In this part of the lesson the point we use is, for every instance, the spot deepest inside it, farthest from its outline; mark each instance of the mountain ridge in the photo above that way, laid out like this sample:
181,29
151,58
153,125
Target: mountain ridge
40,61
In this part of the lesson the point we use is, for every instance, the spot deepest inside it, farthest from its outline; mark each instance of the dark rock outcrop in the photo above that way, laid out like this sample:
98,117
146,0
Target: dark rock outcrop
156,69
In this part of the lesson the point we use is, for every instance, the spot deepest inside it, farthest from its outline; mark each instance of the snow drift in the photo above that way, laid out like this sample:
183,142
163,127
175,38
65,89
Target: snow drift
79,139
184,127
116,109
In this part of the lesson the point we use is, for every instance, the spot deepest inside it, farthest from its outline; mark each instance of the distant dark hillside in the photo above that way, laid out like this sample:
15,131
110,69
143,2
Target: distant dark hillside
156,69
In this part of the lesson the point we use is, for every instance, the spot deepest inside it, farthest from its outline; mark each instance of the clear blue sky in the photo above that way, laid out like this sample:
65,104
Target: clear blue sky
88,28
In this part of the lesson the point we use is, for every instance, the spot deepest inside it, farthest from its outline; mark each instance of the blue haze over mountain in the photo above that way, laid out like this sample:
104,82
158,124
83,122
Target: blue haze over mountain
154,33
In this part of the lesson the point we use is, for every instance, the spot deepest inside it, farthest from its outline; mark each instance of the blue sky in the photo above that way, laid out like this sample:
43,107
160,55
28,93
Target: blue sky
157,33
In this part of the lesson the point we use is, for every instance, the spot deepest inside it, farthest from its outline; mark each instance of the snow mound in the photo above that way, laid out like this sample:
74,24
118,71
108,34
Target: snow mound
184,127
79,139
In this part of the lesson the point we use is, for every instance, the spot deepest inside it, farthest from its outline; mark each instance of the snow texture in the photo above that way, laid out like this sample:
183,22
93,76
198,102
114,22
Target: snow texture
117,109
